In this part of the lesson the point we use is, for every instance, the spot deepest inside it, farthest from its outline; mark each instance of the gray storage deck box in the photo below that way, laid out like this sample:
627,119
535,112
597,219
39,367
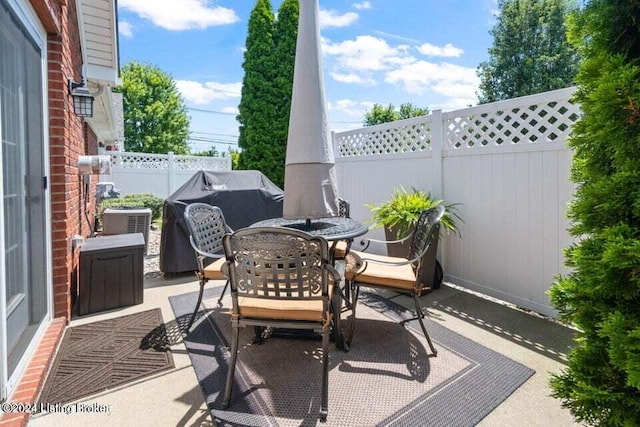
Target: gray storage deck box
111,272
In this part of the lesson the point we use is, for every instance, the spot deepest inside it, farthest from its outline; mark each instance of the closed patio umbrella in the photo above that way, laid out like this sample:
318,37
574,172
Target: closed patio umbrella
310,185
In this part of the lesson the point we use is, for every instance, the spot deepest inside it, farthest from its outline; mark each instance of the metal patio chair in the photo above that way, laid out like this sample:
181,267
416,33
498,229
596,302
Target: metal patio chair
341,247
403,275
207,226
279,278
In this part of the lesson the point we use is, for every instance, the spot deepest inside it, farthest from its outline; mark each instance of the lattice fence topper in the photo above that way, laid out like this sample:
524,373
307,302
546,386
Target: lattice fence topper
532,123
139,161
146,161
195,163
406,136
535,119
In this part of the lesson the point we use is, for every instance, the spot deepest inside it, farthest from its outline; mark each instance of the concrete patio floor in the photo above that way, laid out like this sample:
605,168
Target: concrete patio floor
174,398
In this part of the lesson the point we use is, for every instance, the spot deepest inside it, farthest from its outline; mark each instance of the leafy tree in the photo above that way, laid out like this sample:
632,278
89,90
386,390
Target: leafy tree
601,296
235,157
530,52
285,35
155,118
379,114
212,152
256,110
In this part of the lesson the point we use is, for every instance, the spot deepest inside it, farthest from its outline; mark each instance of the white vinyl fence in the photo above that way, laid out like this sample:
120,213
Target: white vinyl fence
158,174
507,166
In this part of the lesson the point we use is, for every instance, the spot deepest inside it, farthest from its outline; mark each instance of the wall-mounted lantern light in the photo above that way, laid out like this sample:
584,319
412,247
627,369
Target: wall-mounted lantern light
82,98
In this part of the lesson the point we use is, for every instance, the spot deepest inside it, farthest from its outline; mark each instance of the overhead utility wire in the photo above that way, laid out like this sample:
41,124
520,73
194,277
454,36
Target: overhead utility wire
222,113
212,142
202,110
217,134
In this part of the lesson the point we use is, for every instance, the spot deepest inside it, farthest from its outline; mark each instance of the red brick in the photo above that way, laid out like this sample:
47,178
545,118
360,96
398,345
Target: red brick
13,420
25,386
23,396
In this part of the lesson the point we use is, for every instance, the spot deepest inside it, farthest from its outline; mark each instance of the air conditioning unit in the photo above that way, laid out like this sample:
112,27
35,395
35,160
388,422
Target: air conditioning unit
124,221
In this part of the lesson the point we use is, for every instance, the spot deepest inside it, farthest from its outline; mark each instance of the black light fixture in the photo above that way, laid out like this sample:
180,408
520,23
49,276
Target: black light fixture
82,98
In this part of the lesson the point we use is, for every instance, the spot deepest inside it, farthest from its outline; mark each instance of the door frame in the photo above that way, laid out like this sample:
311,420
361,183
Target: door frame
31,24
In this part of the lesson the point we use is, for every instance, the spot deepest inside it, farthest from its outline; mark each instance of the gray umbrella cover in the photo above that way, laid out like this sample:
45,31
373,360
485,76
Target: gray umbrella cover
310,184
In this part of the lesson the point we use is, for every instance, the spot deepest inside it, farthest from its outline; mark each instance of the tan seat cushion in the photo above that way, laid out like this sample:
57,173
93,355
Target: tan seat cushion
213,271
391,276
262,308
280,309
340,250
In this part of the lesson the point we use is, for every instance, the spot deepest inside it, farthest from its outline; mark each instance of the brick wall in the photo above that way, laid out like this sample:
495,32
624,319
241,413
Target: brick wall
70,138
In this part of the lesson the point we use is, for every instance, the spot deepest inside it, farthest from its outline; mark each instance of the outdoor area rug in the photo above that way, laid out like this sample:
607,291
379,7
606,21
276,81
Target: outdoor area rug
386,378
102,355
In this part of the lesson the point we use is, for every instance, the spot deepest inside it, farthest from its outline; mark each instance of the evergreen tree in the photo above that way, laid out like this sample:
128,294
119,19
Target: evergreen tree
530,52
155,118
379,114
256,110
286,32
601,296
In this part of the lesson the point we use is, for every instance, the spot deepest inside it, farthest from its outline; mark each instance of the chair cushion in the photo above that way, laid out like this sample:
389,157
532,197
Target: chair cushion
340,250
213,271
262,308
258,308
389,276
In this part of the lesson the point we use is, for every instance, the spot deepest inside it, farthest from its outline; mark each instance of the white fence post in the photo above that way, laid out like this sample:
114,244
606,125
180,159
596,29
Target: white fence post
172,171
437,144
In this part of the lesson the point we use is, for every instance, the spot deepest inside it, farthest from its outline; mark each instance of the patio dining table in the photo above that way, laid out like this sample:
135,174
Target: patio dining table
333,229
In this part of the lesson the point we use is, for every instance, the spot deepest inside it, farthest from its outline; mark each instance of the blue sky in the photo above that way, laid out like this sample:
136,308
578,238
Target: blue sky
374,51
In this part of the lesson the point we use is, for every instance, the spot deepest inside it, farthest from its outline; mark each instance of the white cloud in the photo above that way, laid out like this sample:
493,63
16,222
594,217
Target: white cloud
332,18
352,78
367,53
204,93
447,50
456,103
446,79
351,108
370,60
125,29
182,14
455,89
362,5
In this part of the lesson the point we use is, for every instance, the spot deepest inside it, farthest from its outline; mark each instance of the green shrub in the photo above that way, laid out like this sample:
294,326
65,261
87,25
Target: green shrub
136,201
601,294
403,209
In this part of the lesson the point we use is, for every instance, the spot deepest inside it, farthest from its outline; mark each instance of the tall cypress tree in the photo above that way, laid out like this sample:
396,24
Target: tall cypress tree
256,113
601,296
285,36
530,52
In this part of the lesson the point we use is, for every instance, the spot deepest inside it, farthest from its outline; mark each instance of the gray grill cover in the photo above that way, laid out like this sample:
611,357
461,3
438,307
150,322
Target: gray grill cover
245,197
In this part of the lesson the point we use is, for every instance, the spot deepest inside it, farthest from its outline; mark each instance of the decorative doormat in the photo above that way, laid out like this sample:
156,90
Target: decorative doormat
386,378
102,355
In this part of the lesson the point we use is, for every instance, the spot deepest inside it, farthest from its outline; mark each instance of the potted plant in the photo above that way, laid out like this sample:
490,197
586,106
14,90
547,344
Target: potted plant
398,216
